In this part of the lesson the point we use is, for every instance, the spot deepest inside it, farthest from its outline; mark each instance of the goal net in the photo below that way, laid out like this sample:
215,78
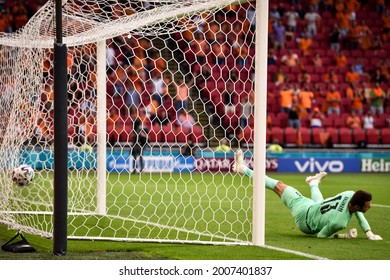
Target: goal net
160,94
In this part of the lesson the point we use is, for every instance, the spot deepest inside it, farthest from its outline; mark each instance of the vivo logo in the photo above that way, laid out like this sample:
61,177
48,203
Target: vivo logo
313,165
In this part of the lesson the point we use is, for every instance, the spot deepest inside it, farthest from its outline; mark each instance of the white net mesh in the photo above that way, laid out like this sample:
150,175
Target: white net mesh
179,71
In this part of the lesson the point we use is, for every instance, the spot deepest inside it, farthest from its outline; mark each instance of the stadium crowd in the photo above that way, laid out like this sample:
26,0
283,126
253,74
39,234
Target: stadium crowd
328,77
328,65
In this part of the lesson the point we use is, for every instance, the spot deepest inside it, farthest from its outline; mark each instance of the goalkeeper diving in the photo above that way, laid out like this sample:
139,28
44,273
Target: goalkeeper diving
325,218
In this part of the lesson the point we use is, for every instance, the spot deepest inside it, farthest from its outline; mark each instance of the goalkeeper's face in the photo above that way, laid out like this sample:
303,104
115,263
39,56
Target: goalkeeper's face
365,207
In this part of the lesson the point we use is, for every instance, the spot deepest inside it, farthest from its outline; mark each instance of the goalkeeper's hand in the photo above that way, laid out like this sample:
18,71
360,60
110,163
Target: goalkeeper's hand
372,236
350,234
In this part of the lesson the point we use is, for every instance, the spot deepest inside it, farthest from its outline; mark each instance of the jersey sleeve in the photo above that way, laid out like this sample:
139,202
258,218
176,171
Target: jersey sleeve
324,233
329,230
362,221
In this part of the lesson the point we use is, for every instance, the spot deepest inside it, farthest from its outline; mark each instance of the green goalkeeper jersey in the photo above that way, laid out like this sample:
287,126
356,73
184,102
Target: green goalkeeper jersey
331,215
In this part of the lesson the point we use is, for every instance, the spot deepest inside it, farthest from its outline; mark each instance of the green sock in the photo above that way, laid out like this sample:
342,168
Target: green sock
249,172
270,183
316,194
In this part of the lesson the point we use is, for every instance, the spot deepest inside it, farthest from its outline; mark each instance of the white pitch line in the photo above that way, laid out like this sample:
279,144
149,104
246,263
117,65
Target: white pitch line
381,205
314,257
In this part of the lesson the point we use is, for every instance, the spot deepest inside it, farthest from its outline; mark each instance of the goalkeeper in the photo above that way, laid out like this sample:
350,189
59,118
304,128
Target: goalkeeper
316,215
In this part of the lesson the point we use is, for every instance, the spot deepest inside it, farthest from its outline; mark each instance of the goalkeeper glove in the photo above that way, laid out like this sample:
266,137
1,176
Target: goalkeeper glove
350,234
372,236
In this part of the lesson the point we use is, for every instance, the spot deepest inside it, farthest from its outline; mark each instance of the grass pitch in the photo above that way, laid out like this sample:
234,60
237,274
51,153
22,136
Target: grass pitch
280,231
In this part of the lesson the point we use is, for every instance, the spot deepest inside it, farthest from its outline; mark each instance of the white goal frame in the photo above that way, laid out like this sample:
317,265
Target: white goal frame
27,38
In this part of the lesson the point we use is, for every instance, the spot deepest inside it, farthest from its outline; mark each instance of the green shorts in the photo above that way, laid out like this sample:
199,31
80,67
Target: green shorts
299,206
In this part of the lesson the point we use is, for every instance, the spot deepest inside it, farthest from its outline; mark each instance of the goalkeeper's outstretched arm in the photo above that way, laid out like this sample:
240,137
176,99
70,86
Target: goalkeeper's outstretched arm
372,236
366,227
350,234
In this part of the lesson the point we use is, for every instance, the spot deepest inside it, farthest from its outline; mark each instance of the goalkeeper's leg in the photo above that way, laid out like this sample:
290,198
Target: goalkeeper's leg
239,166
314,182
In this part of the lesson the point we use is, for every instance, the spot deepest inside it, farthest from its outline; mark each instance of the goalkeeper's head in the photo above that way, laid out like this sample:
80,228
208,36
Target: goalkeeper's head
361,201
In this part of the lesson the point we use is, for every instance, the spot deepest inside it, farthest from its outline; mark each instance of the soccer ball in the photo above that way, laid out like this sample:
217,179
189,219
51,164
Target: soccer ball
23,175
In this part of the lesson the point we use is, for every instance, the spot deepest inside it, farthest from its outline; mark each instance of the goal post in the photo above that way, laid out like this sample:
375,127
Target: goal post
60,77
184,72
259,147
101,65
